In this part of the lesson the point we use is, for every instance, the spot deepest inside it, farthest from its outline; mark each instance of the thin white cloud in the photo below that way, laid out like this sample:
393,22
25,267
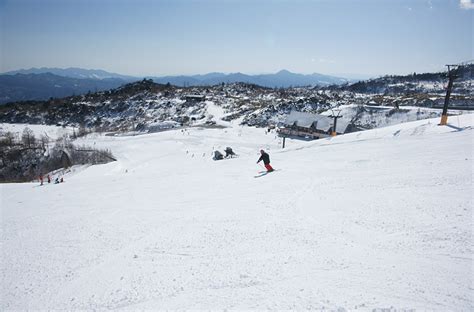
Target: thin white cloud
466,4
323,60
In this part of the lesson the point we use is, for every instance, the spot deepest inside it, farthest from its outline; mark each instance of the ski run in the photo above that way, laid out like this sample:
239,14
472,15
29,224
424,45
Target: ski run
380,219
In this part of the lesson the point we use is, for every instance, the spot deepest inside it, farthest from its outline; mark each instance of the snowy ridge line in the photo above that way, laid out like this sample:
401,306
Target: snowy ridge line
146,106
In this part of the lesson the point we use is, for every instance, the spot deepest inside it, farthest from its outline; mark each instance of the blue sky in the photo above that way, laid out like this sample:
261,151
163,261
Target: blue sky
371,37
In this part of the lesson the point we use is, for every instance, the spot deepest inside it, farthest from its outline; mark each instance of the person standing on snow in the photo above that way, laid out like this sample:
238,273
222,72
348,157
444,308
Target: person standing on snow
266,160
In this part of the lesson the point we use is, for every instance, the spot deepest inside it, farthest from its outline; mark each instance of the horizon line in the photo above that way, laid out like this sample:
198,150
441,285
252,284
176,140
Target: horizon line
336,75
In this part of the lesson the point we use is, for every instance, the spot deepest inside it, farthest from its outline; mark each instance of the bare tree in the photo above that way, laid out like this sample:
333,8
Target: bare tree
28,137
8,139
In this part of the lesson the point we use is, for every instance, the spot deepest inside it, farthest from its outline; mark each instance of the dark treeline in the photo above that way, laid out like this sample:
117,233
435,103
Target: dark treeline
25,157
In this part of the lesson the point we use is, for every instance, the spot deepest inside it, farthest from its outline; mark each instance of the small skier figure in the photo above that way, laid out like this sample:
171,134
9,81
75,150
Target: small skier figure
41,179
56,181
266,160
49,178
218,155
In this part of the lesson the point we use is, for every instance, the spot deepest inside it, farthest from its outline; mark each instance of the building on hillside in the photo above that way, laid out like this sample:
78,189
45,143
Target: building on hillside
311,126
194,98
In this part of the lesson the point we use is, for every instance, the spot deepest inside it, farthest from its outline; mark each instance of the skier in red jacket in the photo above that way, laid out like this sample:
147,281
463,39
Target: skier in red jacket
266,160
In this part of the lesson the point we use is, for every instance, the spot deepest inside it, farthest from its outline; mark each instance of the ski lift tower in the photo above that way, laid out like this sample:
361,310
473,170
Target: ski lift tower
335,116
452,69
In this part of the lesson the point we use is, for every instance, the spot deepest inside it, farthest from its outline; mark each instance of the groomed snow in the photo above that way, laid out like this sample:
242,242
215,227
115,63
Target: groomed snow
375,219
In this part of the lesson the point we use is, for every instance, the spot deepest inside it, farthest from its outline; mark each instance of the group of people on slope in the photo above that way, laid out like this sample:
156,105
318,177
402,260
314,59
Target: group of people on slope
48,177
263,157
229,153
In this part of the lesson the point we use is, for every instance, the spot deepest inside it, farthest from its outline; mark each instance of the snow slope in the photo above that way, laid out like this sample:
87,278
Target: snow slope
369,220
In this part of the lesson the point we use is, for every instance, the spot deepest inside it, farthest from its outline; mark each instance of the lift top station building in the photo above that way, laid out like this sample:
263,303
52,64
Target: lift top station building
311,126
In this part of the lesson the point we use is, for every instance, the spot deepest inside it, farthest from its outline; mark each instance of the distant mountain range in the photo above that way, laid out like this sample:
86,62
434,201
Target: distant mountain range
73,72
24,87
43,83
283,79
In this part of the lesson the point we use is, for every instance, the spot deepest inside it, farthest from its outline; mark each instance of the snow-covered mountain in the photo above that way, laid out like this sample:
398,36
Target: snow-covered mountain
138,105
35,84
371,221
415,83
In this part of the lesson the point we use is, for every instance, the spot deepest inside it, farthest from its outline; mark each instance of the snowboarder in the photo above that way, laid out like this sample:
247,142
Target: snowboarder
266,160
